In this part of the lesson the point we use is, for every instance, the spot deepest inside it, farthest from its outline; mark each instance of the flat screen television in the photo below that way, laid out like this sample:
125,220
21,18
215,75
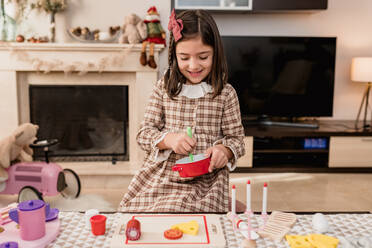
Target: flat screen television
282,76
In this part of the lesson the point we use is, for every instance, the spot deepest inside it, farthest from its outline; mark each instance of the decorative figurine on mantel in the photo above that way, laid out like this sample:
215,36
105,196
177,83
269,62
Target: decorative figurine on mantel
155,35
52,7
134,30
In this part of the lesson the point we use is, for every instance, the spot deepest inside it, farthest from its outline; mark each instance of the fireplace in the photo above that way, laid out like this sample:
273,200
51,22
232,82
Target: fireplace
131,82
90,121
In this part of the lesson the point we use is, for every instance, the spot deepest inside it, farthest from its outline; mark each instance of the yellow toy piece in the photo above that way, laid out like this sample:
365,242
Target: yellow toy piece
191,227
298,241
311,241
323,241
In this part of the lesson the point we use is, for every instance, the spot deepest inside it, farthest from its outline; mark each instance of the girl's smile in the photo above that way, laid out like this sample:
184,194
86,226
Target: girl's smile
195,74
194,59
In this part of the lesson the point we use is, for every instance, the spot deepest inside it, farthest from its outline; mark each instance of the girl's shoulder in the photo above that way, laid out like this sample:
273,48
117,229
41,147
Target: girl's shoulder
228,90
160,85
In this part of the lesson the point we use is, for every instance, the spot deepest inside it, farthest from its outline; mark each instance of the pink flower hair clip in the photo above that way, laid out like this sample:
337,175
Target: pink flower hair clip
175,25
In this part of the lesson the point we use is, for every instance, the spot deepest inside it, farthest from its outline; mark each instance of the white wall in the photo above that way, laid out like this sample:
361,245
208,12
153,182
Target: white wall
94,14
349,21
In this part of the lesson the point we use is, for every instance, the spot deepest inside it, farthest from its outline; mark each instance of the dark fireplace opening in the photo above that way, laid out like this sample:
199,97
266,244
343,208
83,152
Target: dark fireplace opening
90,122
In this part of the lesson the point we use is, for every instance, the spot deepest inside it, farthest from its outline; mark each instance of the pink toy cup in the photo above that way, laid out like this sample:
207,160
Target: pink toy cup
98,223
30,215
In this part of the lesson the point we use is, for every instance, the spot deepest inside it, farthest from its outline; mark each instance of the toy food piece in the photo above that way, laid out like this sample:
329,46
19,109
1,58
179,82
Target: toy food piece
273,231
284,219
298,241
320,223
191,227
311,241
173,234
133,230
364,242
321,240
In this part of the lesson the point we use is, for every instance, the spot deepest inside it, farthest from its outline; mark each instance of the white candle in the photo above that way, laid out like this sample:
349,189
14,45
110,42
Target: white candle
264,200
233,200
248,196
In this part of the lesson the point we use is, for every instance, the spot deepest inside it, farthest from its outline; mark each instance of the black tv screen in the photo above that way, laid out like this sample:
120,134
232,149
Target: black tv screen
282,76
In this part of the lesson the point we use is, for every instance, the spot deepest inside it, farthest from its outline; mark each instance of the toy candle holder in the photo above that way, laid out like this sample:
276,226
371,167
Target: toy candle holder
244,226
98,224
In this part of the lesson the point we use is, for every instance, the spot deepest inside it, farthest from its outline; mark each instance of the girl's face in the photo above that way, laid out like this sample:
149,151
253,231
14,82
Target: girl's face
194,59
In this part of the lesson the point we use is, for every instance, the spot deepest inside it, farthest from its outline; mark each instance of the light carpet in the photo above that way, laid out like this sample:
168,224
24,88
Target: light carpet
82,203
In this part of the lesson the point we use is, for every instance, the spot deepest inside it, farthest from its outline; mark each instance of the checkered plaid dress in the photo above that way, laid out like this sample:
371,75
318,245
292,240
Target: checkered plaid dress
155,187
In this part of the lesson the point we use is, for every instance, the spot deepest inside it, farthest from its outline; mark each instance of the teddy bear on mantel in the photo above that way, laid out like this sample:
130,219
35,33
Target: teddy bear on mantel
134,30
17,147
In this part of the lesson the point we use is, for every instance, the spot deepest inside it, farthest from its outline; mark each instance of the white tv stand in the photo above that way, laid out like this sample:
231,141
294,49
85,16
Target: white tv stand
346,147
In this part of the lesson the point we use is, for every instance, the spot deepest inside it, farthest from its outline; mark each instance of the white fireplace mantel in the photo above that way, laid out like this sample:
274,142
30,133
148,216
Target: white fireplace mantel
22,64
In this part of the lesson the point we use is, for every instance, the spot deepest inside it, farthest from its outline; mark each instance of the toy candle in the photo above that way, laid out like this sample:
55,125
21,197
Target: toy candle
233,200
264,200
248,197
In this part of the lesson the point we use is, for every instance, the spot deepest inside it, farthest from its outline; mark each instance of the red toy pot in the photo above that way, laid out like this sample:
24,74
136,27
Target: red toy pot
198,167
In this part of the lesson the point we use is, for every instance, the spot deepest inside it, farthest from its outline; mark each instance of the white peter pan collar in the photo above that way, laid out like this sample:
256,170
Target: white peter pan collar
196,90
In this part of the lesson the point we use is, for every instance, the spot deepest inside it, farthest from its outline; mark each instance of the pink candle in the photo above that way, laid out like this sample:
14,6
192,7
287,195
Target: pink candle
233,200
248,196
264,200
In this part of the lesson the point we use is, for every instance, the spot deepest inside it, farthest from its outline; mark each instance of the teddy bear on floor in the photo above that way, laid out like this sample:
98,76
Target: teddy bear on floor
134,30
17,147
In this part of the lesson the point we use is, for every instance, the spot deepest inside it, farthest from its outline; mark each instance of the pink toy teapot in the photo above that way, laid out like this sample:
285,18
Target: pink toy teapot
31,216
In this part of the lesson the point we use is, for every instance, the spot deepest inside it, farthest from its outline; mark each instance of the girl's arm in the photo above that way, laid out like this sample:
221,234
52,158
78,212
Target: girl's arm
232,129
151,129
153,139
180,143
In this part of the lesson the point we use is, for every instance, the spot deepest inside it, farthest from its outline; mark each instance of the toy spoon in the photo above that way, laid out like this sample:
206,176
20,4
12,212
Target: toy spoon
189,133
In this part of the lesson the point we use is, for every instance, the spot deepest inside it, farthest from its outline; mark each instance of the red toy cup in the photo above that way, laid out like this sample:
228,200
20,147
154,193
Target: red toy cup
98,223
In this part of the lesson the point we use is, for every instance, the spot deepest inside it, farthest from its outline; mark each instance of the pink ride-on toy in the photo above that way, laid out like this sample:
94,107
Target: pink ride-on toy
33,180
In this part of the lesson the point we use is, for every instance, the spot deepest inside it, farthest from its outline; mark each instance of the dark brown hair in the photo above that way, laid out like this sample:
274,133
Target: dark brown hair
197,22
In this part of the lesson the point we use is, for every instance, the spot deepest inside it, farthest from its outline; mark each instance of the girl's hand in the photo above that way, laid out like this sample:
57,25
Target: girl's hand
180,143
219,156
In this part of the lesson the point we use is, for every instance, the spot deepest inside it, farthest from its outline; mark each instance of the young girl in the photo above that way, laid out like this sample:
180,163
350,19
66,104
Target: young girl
194,92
